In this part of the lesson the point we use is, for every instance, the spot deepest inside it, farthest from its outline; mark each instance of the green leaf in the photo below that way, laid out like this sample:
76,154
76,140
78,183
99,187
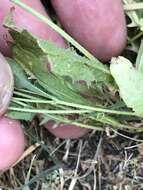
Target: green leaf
21,80
63,62
50,82
66,62
28,52
20,115
58,87
130,82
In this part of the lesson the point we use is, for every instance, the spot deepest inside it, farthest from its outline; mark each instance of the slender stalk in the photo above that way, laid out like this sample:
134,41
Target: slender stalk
24,95
97,109
133,6
20,103
44,111
136,37
71,122
39,101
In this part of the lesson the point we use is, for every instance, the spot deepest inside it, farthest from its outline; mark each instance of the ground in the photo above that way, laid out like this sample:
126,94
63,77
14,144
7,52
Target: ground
101,160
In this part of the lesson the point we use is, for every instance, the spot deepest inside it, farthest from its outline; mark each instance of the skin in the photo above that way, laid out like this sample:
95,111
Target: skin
26,20
66,131
12,142
98,25
6,84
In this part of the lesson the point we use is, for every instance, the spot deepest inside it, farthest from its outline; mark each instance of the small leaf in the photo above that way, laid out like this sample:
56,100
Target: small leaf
20,115
21,80
130,81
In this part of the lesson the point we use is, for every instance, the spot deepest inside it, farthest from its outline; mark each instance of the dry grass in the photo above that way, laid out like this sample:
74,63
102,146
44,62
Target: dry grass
97,161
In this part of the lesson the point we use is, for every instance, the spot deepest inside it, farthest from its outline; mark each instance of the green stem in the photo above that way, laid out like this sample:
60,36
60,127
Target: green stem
133,6
103,110
19,103
39,101
136,37
71,122
44,111
24,95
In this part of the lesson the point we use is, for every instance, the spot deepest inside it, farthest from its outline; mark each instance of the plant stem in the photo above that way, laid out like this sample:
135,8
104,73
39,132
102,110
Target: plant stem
44,111
133,6
71,122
